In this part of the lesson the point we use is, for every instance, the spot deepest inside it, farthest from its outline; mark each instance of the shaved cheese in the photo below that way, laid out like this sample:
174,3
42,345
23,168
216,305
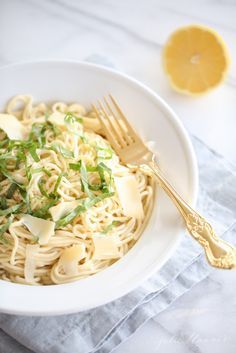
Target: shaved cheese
12,127
40,228
105,247
92,123
129,195
62,209
30,263
70,257
57,118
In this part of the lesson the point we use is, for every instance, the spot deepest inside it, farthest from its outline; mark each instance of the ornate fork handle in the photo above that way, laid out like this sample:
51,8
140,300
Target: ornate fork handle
219,253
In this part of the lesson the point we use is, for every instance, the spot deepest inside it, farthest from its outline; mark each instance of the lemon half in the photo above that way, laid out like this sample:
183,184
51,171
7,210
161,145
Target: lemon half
195,59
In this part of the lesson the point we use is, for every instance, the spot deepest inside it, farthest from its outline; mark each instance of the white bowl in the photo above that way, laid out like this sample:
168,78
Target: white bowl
153,118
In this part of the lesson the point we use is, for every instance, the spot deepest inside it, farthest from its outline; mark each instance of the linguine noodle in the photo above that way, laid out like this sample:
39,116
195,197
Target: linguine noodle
62,159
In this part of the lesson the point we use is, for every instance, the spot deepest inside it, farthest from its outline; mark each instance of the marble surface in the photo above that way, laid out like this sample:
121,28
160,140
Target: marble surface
129,34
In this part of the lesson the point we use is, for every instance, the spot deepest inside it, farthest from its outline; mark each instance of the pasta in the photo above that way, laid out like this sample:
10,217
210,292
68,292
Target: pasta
63,216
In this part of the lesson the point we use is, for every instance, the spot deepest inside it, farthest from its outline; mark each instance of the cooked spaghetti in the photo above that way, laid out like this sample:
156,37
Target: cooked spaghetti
69,208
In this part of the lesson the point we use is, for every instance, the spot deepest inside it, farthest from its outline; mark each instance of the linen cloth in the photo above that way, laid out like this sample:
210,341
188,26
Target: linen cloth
100,330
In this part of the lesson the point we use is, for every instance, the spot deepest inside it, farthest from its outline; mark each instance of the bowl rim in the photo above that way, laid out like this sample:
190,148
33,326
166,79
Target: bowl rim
192,170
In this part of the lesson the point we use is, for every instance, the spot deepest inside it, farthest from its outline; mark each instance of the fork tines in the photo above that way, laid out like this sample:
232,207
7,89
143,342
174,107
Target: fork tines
116,126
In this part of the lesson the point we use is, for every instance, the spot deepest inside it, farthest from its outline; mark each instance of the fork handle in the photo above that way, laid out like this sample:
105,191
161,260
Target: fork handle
218,252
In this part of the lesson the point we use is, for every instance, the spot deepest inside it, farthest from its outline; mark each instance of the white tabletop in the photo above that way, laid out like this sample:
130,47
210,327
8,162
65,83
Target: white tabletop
129,34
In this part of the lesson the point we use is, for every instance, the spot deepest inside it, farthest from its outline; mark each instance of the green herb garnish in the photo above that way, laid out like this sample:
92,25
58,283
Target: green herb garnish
38,134
110,227
26,200
71,118
75,166
41,188
104,153
39,170
102,168
84,180
3,203
11,190
47,172
57,183
62,150
56,131
10,210
8,175
4,229
32,151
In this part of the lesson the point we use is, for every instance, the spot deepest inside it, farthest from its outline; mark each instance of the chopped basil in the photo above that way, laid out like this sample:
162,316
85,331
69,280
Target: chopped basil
46,171
83,138
96,199
32,151
36,170
7,156
91,168
10,210
71,118
3,229
3,203
11,190
104,153
10,177
26,200
21,157
84,176
84,180
54,194
28,171
67,219
71,122
38,134
62,150
41,188
102,168
56,131
110,227
75,166
58,183
39,170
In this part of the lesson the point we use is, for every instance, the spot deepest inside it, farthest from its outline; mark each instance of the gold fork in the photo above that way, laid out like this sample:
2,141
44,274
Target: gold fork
132,150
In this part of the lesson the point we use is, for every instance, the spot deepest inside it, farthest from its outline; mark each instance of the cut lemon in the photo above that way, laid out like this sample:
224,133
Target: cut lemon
195,59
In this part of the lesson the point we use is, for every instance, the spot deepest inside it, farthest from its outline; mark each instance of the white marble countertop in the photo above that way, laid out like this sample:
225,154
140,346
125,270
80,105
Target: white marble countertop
130,35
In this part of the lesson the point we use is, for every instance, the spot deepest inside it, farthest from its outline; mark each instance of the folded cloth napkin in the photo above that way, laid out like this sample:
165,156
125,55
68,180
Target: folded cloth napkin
101,330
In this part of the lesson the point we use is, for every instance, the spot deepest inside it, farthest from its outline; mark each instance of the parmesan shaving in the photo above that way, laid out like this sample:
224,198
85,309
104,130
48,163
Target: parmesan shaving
130,197
57,118
40,228
105,247
12,127
70,258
